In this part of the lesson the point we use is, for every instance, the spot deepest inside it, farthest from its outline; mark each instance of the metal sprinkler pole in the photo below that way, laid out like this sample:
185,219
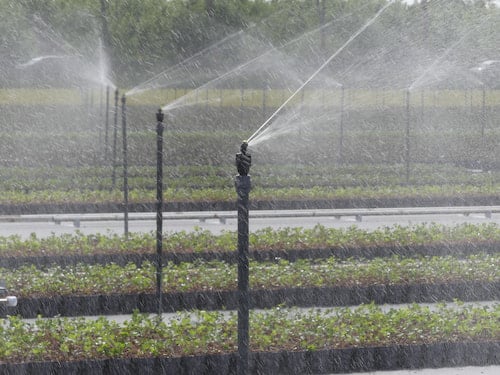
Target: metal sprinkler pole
341,126
159,207
106,127
483,114
243,186
125,167
101,114
407,137
115,136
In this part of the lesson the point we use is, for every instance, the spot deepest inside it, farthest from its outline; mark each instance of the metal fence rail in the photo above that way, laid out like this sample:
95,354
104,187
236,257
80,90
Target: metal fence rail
223,216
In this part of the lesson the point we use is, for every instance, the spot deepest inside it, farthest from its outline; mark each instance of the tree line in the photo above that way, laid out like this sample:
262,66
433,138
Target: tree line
143,37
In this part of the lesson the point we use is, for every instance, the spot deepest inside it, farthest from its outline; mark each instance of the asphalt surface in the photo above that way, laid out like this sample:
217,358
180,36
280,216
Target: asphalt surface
488,370
44,229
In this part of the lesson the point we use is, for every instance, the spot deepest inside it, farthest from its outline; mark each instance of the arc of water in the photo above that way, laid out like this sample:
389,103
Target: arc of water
440,58
174,104
349,41
57,39
140,88
36,60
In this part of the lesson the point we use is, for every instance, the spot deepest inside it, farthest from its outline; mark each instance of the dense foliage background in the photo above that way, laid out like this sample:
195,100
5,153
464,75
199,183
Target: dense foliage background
142,37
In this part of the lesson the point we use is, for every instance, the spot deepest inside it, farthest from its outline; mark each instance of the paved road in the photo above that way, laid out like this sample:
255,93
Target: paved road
488,370
44,229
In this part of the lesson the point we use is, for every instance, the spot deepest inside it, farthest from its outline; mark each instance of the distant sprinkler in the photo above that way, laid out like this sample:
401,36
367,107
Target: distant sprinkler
10,301
38,59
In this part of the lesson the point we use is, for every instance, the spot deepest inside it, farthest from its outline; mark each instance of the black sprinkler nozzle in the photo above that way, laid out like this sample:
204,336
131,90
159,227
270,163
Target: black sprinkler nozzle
159,115
243,160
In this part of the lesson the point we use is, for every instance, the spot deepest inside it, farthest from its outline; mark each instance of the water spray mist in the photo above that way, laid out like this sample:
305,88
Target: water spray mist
349,41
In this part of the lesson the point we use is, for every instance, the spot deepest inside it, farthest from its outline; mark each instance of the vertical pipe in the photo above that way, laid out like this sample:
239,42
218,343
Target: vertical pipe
264,109
115,136
206,98
471,102
243,184
125,167
407,137
422,106
341,126
159,206
106,127
483,115
242,102
90,108
101,114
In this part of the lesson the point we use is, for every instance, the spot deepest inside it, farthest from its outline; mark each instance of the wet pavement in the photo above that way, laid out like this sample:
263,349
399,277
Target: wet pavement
488,370
45,229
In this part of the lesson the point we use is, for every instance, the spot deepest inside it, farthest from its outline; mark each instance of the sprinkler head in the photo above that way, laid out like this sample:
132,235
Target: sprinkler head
10,301
243,160
159,115
244,146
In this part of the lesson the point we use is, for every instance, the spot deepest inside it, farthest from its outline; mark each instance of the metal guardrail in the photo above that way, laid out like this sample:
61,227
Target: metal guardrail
223,216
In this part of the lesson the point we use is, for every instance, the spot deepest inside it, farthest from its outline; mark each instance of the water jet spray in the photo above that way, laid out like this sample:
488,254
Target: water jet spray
348,42
181,102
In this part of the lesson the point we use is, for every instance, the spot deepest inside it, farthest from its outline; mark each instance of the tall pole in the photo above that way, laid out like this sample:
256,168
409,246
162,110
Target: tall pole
106,127
243,186
115,136
125,166
341,126
159,206
483,114
101,115
407,137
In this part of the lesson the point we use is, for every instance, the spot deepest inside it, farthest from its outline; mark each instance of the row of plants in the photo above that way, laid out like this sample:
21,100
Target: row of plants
201,332
203,241
85,279
327,197
218,177
338,338
467,148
